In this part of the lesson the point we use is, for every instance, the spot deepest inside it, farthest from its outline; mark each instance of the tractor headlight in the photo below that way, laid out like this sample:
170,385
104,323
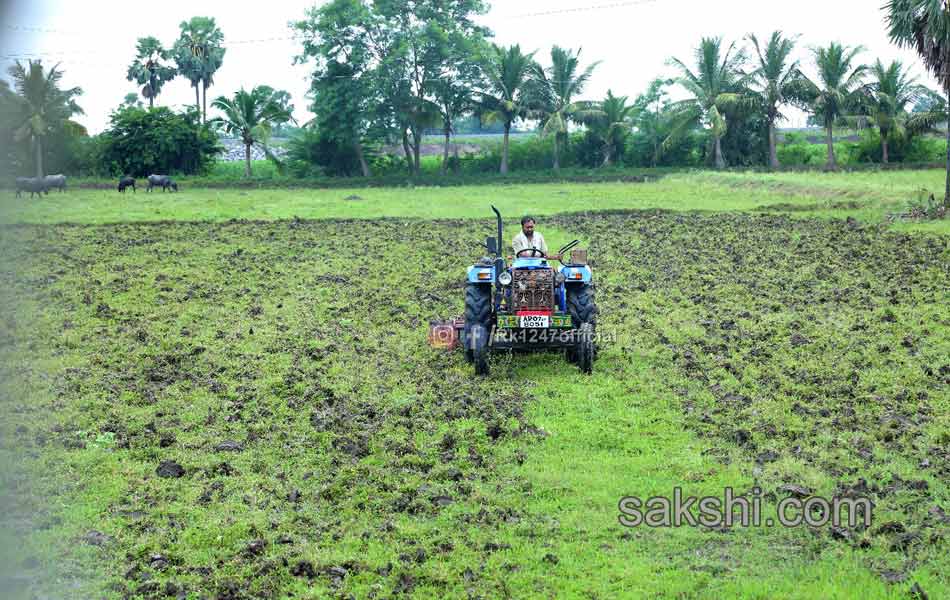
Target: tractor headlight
505,278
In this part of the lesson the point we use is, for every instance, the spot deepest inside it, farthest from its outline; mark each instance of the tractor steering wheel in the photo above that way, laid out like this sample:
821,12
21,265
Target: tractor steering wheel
535,253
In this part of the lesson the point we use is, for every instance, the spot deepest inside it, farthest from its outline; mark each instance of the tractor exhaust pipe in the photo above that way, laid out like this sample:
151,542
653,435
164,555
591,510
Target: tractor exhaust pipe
500,239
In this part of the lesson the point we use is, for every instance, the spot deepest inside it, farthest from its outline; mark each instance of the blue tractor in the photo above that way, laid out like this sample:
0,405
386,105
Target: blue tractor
530,305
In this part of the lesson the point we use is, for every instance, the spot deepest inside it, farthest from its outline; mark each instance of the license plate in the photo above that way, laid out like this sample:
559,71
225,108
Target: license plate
534,321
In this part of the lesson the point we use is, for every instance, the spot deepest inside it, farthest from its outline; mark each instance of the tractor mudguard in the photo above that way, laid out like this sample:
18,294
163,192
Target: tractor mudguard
577,274
481,274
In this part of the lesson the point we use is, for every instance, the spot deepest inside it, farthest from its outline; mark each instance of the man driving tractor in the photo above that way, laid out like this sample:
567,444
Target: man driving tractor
528,239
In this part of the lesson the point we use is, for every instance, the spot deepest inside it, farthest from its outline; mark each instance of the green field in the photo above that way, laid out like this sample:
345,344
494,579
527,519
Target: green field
265,349
869,197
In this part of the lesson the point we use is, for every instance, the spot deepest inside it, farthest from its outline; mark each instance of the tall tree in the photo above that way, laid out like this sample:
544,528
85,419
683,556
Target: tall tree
454,91
612,124
890,93
835,92
150,68
777,77
41,105
507,96
717,83
405,51
559,85
418,45
651,119
925,26
199,54
337,37
251,115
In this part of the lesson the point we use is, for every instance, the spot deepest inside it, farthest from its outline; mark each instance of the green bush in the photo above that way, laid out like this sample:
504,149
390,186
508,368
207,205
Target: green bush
915,149
142,141
261,170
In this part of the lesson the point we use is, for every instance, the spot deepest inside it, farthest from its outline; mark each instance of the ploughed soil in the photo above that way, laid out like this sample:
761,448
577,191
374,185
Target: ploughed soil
249,410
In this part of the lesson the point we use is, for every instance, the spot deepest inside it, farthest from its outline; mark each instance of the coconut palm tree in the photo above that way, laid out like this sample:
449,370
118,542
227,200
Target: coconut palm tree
836,92
148,69
251,115
40,105
558,85
199,54
777,77
718,83
892,90
508,96
612,123
925,26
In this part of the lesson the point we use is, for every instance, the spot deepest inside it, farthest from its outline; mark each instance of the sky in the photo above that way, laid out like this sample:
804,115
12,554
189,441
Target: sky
94,40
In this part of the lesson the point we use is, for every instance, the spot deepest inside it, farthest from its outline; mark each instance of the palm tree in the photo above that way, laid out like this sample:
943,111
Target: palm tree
558,85
718,83
888,97
509,76
612,123
251,115
836,91
147,68
777,76
651,117
925,26
199,54
42,104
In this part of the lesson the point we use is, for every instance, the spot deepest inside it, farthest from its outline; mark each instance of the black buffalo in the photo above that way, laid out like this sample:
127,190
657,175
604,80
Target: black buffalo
55,181
164,181
34,185
126,182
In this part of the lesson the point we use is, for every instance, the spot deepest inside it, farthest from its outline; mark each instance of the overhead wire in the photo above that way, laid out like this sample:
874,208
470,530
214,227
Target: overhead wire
11,56
577,9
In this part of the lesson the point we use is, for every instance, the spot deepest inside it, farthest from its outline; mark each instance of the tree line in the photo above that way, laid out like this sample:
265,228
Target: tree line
386,72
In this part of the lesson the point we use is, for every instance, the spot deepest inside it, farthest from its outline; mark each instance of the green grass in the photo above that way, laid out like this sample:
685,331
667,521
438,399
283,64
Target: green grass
865,196
751,348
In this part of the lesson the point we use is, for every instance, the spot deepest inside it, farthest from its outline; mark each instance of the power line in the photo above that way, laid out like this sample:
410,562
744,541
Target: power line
275,38
563,11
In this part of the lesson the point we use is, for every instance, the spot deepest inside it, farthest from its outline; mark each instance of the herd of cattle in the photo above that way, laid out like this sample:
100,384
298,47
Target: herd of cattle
42,185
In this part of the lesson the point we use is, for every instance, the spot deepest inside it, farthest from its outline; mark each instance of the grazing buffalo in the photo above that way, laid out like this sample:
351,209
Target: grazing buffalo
161,180
55,181
34,185
126,182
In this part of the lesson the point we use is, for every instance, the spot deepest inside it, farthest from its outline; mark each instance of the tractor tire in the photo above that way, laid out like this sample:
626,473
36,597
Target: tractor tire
583,309
581,305
584,348
480,349
478,306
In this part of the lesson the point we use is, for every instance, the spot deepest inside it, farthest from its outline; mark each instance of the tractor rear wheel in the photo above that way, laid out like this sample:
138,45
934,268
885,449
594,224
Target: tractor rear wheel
583,310
479,337
581,305
584,348
477,314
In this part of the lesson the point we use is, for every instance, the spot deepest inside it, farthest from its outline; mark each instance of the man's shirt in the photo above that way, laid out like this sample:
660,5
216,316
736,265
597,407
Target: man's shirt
523,242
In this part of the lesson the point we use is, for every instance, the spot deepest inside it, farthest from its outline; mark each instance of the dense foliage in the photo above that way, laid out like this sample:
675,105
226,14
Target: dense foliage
37,113
140,141
389,76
